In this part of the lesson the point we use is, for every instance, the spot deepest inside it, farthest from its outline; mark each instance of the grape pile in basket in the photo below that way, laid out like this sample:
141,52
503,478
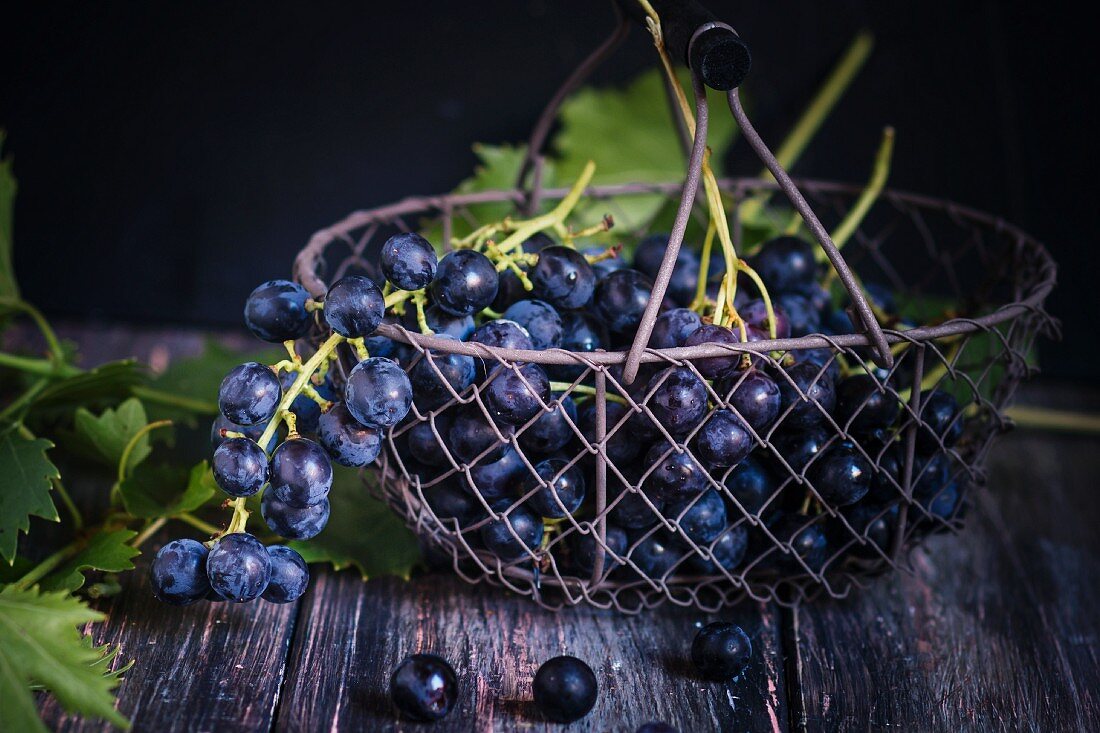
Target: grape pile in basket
498,447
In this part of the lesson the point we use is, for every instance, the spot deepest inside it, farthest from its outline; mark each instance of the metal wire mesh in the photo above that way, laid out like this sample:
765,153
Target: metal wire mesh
995,278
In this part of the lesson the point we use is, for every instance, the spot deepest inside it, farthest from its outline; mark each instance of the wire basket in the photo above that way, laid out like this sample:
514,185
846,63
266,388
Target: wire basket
922,248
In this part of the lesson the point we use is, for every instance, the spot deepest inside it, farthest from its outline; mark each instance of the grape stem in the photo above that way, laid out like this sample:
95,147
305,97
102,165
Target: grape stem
360,347
53,344
52,370
507,262
197,523
710,182
70,506
605,225
867,198
419,299
583,389
44,568
814,116
525,230
745,268
148,531
1042,418
240,512
700,302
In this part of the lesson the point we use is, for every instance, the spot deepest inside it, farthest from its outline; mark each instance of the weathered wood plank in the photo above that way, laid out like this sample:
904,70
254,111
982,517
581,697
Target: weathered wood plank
351,635
204,667
998,629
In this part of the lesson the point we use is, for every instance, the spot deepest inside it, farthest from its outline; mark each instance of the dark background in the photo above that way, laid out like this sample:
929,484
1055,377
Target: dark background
172,156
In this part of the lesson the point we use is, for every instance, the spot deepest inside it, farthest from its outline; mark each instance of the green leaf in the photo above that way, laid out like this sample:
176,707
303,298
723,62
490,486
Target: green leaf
108,551
362,532
25,473
8,188
107,654
153,491
104,438
924,307
199,377
631,135
40,646
109,383
19,567
496,169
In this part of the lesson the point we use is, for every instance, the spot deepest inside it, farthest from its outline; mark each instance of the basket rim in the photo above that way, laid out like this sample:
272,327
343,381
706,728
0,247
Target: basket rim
305,273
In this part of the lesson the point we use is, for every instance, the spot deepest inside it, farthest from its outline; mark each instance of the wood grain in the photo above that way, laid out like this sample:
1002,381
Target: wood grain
998,629
204,667
352,635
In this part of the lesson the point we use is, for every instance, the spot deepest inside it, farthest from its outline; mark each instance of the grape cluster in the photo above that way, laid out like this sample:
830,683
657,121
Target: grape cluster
292,471
503,451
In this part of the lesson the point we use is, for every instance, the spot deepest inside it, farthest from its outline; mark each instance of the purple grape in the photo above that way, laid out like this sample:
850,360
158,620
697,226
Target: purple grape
560,488
289,575
349,443
276,311
514,534
785,264
354,306
239,467
249,394
714,367
178,573
553,430
676,476
540,320
301,473
621,298
291,522
238,567
723,440
563,277
408,261
517,395
673,327
465,283
754,396
680,400
424,687
378,393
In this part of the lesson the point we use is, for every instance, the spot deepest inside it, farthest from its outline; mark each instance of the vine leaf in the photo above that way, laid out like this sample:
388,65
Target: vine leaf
8,286
496,170
632,137
106,384
153,491
41,646
362,532
201,376
107,551
25,475
105,437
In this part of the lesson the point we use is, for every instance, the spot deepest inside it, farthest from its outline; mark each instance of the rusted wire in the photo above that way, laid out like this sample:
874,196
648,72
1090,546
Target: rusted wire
982,355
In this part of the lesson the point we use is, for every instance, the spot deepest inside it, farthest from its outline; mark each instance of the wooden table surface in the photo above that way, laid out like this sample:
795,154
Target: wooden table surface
998,628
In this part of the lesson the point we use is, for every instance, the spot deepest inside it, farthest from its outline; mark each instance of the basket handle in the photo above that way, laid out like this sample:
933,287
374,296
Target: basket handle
871,327
676,236
694,36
